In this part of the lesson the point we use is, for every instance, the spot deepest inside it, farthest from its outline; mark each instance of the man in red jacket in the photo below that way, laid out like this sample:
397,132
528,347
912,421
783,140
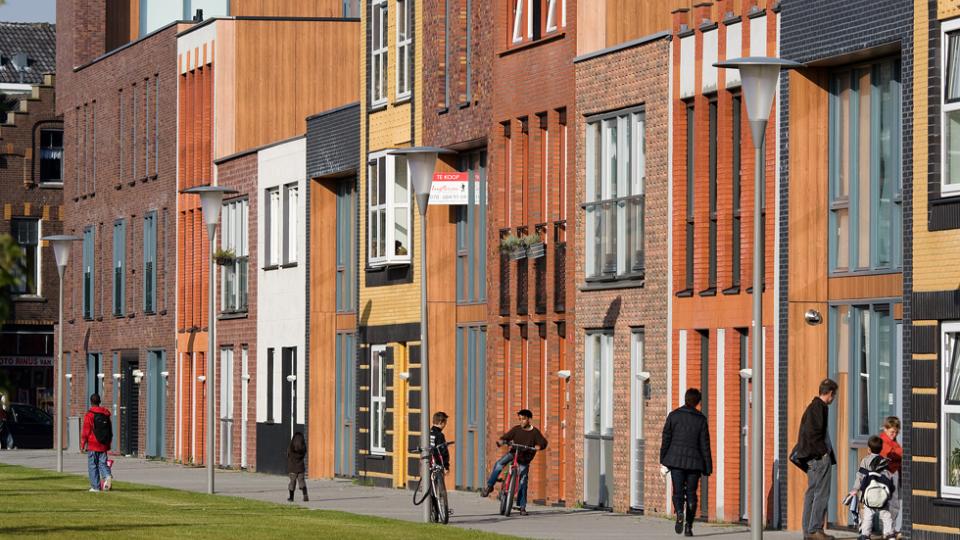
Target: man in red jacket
95,440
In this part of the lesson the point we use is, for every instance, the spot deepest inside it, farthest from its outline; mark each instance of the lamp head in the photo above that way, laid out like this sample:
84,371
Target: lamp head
211,198
423,162
759,76
61,247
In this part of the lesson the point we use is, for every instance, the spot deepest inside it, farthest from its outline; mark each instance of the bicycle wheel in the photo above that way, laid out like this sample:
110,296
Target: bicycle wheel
503,495
440,499
511,490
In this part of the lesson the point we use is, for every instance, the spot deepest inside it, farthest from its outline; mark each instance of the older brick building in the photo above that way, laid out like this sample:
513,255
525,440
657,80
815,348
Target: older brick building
119,107
31,195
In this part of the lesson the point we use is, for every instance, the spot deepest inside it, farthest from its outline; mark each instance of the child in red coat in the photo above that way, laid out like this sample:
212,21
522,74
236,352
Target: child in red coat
893,452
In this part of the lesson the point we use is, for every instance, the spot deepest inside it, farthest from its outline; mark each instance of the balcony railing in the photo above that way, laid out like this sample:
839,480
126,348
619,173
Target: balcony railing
522,294
559,267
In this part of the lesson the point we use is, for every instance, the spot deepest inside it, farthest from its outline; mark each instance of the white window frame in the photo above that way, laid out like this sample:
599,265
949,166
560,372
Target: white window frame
619,194
552,14
272,235
378,52
404,46
390,210
378,402
291,222
518,21
946,190
946,328
234,236
637,408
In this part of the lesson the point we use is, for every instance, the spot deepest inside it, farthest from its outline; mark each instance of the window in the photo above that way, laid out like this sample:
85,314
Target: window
404,42
346,245
51,155
378,397
518,10
865,180
351,8
950,181
863,340
712,268
88,267
737,224
270,385
556,11
119,256
94,368
950,411
378,49
538,16
472,231
26,232
389,213
150,262
272,236
688,262
615,196
233,276
291,213
599,376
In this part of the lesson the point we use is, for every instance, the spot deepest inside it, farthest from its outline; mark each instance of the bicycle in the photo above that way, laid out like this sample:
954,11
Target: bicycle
437,490
510,486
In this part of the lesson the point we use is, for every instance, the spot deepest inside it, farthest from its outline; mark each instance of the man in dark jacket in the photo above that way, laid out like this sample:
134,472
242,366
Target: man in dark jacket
685,450
95,440
814,448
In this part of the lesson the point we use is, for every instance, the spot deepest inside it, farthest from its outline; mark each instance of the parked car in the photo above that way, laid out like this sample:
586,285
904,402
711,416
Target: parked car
29,427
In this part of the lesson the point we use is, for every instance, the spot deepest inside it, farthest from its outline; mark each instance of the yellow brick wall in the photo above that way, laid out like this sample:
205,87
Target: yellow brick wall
390,128
929,271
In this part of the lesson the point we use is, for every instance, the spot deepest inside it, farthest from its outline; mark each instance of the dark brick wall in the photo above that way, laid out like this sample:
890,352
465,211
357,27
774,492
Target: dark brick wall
628,78
99,191
813,30
333,141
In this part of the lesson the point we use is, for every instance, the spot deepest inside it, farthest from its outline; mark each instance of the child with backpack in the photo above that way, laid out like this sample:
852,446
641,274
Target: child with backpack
894,452
95,440
874,485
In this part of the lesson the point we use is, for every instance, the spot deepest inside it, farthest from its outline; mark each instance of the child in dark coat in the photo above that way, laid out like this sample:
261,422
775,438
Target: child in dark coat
295,467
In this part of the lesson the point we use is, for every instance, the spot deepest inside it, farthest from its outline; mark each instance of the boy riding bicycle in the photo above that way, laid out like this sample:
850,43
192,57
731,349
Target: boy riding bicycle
523,434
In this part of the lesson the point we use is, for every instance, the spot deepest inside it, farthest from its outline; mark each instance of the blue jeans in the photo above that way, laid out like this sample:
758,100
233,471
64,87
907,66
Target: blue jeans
97,468
506,460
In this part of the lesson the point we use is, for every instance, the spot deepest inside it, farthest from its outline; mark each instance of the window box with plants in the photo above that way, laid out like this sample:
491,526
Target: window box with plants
534,246
224,257
513,246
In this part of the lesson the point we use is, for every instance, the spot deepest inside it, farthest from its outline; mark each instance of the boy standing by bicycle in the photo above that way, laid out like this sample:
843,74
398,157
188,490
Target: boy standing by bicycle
523,434
438,441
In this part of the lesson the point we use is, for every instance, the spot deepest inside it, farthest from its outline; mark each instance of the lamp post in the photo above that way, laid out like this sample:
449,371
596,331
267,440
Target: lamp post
61,251
423,162
759,76
211,199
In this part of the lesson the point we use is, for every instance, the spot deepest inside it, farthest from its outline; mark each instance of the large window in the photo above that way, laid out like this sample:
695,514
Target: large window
865,179
389,212
863,343
712,240
378,52
737,217
689,215
26,232
150,262
272,233
472,231
950,178
233,239
51,155
950,411
404,42
88,268
119,267
534,18
291,213
346,245
378,397
615,196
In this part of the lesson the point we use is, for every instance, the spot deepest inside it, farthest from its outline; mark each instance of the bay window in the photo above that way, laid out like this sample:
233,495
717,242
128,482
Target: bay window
615,196
389,210
864,168
950,409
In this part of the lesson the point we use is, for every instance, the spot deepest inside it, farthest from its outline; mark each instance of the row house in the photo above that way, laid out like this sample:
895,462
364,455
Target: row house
228,68
712,240
931,370
845,202
31,195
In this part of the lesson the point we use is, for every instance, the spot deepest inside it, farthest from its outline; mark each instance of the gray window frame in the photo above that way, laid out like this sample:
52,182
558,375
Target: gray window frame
150,262
471,231
346,250
119,268
89,267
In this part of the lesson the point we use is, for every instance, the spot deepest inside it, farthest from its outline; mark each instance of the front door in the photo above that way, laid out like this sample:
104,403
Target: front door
129,403
344,463
598,420
156,403
226,407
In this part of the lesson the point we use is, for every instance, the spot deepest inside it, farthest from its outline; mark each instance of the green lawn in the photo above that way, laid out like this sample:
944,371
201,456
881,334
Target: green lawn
38,503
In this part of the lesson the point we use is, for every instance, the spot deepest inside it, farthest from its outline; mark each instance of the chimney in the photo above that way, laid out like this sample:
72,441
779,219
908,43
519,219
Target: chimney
681,20
701,13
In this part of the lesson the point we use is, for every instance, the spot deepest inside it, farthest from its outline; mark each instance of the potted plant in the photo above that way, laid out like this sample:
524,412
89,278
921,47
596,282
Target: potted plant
513,246
534,246
224,257
955,467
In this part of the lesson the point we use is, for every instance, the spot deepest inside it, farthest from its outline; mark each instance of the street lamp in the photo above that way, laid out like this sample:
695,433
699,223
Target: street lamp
423,161
759,76
211,199
61,251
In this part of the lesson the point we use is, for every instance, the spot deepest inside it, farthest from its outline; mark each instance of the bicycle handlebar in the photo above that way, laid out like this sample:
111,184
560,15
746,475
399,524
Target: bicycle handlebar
520,446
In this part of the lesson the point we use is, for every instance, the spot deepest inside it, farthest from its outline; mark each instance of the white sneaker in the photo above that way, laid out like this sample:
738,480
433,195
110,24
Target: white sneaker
93,490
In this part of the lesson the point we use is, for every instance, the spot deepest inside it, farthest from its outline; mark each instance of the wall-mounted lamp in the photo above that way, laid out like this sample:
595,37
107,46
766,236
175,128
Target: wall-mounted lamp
564,374
644,376
116,376
746,374
69,377
405,375
201,378
100,376
165,375
813,317
291,378
245,376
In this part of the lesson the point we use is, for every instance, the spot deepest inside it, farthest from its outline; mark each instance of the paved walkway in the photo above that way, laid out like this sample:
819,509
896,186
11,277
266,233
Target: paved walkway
469,510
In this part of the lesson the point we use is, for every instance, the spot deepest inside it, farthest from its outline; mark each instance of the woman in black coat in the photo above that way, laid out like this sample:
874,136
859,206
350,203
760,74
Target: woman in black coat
295,465
685,450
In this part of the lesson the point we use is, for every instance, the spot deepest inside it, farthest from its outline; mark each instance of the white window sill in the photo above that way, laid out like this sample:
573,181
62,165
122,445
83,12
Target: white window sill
388,262
949,190
51,185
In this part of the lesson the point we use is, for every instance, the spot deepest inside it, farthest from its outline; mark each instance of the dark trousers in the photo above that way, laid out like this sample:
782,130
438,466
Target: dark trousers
685,484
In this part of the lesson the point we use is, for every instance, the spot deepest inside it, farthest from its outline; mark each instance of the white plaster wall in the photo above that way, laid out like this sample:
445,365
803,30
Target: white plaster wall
281,300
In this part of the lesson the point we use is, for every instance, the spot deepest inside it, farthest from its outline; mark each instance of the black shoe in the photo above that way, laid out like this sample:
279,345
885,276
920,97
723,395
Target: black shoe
290,498
523,511
678,527
688,530
305,497
485,491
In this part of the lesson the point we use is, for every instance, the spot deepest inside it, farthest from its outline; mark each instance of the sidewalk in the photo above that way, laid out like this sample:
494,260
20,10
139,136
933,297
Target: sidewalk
469,510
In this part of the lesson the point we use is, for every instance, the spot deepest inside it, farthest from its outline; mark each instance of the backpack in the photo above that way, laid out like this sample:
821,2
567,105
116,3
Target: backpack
876,487
102,428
